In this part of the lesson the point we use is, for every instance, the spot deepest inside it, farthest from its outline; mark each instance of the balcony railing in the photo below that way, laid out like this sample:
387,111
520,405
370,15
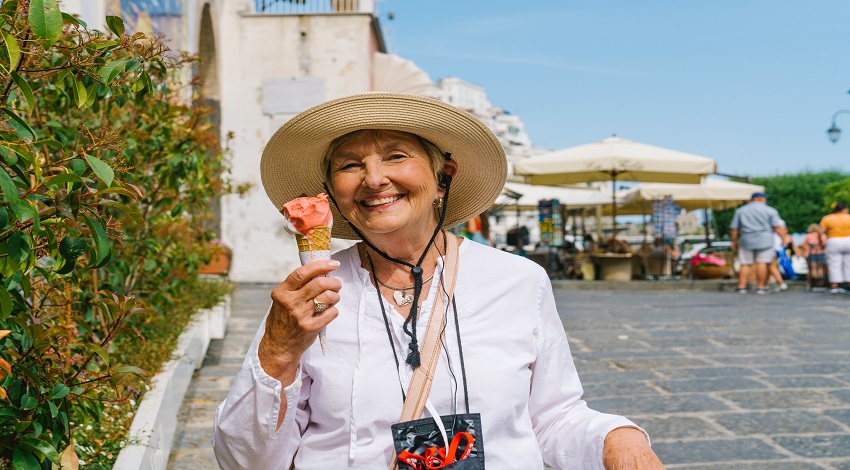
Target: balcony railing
313,7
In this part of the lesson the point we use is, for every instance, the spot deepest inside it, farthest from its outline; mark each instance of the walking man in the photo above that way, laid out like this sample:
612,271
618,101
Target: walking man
751,232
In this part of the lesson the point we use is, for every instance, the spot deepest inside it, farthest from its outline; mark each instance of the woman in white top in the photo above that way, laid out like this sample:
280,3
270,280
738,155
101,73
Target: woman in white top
401,169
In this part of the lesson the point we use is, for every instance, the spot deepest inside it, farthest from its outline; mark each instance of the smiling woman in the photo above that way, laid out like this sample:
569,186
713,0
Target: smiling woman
399,170
386,181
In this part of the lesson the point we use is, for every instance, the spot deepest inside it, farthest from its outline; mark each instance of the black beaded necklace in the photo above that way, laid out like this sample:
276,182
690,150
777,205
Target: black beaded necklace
392,343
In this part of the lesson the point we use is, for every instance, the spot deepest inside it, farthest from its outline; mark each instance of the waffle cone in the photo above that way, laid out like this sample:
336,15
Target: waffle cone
319,240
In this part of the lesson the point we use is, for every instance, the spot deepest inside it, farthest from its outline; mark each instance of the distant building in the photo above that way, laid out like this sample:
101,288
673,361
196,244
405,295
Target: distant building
508,127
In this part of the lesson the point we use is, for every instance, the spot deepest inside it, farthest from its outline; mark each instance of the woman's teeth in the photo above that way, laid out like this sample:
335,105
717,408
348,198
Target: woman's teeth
383,200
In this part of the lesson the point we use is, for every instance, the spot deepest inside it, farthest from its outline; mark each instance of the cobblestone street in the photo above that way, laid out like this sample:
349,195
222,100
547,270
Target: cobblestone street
719,380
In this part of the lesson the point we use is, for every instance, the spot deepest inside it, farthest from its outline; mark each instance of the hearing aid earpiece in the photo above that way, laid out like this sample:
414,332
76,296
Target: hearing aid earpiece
444,181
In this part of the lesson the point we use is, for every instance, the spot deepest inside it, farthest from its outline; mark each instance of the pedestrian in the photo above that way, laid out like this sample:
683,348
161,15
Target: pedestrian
812,249
401,170
836,227
751,232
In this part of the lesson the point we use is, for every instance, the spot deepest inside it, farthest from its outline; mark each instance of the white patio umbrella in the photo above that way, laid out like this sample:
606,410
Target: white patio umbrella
615,159
570,197
710,194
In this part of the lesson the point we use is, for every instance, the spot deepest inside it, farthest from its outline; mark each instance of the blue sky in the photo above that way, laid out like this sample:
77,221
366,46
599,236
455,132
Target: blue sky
750,83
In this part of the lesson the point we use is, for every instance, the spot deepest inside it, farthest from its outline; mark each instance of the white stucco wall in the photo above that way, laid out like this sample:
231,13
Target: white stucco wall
254,48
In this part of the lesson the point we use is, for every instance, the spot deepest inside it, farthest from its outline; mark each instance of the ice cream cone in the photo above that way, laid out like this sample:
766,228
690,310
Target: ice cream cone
310,220
319,239
315,245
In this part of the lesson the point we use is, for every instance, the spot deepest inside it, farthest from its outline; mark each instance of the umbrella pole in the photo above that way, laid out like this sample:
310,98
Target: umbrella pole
614,206
705,224
645,249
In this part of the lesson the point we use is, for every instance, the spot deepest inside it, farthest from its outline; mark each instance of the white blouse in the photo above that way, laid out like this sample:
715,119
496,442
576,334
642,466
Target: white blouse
521,379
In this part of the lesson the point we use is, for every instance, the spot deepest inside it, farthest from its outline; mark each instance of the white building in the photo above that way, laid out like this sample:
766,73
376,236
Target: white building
508,127
262,62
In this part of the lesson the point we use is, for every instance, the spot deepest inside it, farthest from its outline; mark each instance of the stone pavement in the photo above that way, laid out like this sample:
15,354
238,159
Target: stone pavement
719,380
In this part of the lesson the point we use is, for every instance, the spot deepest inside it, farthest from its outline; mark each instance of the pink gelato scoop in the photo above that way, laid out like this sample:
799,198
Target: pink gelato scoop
305,213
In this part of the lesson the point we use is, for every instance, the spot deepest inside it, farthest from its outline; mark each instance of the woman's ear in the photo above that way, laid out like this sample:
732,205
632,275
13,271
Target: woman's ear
450,170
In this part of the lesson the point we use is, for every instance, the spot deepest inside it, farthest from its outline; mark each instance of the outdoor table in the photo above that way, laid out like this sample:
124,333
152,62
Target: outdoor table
613,266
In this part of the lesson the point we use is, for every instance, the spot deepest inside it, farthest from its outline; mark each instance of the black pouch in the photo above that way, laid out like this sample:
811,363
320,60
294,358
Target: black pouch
417,436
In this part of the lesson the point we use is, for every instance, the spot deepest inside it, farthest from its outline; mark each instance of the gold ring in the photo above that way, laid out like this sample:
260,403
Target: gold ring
319,307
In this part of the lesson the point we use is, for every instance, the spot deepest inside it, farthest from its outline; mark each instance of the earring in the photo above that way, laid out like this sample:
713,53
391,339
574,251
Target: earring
438,203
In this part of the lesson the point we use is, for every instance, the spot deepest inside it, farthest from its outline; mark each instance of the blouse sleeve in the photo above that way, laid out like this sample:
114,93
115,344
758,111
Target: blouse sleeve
570,434
244,433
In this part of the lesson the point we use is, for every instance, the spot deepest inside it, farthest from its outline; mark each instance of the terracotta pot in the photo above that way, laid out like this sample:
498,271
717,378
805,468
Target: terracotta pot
220,263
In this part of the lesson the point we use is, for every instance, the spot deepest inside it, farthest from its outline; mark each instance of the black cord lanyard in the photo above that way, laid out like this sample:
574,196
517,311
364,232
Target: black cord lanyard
392,343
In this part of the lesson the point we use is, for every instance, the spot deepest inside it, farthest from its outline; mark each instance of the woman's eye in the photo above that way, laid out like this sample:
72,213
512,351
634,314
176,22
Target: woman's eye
347,166
397,156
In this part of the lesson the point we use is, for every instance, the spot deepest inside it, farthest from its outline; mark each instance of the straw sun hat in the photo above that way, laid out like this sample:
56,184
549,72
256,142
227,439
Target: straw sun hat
291,165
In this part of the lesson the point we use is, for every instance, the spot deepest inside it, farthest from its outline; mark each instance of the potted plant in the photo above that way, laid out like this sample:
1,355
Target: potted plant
220,262
710,267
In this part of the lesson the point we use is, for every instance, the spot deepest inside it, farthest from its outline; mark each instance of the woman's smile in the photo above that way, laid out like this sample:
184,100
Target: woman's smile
380,202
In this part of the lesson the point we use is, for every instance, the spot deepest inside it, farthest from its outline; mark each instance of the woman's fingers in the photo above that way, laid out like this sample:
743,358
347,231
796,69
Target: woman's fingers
301,276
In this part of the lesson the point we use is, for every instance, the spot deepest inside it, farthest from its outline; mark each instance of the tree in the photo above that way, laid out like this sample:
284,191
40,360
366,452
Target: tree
799,198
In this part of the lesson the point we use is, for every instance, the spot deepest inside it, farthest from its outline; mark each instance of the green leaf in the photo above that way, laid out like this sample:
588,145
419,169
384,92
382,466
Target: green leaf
12,49
5,304
24,210
68,267
24,461
64,178
101,242
101,169
78,166
72,248
40,447
10,191
82,94
75,21
14,280
116,25
131,370
19,246
52,143
28,402
46,20
4,218
21,127
25,89
54,410
60,391
91,91
100,352
111,70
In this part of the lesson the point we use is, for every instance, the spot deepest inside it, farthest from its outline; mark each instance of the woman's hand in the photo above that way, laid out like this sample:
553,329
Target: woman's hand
628,449
292,324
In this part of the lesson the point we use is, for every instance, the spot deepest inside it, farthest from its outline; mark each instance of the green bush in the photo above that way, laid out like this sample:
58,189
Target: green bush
108,168
799,198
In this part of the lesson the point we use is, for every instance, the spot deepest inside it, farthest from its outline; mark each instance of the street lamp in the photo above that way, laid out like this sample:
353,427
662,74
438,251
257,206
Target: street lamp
834,133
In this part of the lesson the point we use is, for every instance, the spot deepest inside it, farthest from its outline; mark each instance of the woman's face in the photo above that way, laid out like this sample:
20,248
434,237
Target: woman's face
384,184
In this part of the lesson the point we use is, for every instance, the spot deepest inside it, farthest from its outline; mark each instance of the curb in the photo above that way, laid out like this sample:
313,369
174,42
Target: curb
668,285
155,424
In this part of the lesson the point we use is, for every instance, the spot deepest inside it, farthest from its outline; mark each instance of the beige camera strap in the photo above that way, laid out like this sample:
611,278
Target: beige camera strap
420,383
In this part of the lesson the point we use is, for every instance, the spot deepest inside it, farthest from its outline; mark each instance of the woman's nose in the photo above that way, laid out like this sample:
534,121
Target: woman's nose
375,175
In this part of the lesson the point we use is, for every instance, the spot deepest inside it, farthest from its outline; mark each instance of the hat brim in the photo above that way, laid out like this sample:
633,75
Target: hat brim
291,165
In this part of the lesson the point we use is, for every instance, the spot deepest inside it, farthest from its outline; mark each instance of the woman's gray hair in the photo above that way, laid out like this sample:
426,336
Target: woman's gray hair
435,155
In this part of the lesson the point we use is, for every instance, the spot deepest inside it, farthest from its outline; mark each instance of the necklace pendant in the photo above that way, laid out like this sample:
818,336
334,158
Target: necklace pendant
401,299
